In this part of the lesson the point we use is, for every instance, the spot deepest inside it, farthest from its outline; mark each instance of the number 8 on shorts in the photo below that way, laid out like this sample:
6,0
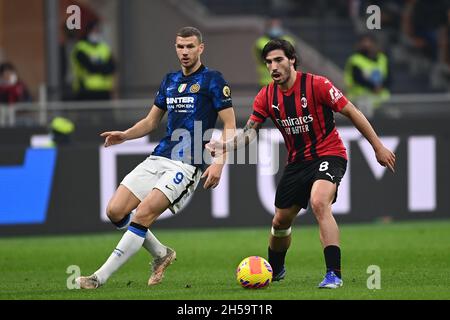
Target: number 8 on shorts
324,166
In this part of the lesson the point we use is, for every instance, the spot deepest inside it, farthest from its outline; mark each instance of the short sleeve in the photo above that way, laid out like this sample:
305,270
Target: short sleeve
329,95
220,92
160,99
260,106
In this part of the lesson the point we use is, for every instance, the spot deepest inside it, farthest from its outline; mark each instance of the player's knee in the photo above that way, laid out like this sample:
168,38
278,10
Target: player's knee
319,206
281,223
114,212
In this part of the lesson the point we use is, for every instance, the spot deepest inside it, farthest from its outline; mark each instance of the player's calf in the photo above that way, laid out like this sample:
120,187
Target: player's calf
279,243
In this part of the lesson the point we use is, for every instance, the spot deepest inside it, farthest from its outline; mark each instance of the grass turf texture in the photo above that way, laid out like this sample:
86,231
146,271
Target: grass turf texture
414,259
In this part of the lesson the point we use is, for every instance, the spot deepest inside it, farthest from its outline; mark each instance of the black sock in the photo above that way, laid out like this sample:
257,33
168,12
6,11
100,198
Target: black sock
276,260
333,259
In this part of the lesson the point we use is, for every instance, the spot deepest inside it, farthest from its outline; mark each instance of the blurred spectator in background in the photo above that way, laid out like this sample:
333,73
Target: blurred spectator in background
274,30
93,66
425,23
426,27
12,89
367,75
68,38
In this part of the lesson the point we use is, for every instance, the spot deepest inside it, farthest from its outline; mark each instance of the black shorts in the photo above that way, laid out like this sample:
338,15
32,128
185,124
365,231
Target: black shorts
297,180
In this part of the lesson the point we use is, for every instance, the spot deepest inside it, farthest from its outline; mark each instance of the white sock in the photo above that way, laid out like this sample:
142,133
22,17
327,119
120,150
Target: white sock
127,247
152,245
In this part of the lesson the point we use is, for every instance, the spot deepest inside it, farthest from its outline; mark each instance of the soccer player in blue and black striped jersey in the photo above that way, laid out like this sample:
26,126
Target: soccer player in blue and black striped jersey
193,98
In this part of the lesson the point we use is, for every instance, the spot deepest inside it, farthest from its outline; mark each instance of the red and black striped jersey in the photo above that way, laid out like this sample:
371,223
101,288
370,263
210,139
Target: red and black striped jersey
304,115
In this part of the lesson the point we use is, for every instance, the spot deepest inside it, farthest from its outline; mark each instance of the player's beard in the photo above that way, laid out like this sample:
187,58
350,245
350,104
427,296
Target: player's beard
282,79
190,65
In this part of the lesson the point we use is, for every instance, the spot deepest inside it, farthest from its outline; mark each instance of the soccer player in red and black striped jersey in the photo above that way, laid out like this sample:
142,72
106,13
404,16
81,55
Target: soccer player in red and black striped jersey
301,106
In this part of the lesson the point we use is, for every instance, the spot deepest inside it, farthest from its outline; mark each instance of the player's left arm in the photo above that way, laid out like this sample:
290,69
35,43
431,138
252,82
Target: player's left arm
384,156
214,171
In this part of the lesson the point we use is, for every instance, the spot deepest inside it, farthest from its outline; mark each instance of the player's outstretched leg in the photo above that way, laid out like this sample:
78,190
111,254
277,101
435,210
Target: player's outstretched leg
162,255
118,211
130,243
280,240
322,195
147,212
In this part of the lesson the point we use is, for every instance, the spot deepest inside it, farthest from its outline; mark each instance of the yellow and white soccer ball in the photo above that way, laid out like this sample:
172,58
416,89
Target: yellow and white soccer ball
254,272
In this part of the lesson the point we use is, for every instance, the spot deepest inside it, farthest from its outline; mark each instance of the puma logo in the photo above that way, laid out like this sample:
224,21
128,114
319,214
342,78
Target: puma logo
332,177
276,107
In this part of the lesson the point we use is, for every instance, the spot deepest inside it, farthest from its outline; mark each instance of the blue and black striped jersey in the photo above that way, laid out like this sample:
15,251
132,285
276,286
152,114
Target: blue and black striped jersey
193,103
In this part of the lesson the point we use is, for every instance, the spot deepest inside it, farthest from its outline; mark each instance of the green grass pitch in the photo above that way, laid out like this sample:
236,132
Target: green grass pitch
414,259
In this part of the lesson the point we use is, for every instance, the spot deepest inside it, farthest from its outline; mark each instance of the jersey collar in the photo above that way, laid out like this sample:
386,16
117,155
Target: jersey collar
296,85
200,69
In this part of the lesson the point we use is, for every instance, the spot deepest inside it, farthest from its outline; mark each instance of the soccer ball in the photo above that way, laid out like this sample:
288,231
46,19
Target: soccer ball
254,272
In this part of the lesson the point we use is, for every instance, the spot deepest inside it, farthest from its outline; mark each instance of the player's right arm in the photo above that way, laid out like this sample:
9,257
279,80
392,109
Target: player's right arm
250,131
139,130
146,125
242,139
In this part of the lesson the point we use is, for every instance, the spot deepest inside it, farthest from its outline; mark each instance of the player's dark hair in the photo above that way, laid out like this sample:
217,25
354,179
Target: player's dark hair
280,44
187,32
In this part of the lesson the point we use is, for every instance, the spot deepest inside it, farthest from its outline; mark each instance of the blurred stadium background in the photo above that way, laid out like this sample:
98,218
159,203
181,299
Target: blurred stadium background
61,187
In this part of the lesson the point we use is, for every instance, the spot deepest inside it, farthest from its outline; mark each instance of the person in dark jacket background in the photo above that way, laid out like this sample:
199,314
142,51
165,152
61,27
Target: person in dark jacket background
93,66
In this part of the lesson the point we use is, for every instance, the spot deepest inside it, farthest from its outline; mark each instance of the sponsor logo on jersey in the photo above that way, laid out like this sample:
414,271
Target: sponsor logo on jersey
177,100
335,95
296,125
194,88
182,87
181,104
300,121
